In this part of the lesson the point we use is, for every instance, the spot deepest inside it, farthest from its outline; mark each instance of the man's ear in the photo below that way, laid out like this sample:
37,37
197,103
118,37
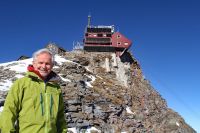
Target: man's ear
33,63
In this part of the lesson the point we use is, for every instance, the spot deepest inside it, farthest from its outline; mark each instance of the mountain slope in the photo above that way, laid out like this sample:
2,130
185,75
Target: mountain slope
104,93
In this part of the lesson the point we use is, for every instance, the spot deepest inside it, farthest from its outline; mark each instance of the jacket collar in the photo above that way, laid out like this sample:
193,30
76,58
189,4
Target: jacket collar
30,68
52,77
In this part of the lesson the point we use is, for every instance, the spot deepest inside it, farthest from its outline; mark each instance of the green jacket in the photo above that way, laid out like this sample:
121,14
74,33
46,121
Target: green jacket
34,106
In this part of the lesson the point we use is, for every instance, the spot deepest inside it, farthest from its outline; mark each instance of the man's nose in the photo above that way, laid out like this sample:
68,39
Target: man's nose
43,65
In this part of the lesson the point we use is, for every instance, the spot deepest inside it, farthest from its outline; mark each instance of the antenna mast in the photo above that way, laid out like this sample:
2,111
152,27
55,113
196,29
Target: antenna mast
89,20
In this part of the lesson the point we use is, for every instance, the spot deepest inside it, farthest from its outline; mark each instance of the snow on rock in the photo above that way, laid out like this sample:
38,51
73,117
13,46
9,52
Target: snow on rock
1,109
73,130
64,79
88,130
20,67
92,129
60,59
177,124
5,86
129,111
92,80
19,76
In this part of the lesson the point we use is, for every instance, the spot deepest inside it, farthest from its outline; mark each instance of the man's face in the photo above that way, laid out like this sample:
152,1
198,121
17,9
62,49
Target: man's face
43,63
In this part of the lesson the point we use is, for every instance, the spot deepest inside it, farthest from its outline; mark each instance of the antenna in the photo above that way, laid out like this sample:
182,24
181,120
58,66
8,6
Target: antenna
89,20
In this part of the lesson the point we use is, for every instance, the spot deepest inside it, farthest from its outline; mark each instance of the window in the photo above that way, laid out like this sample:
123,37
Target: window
99,35
108,35
125,43
118,43
118,36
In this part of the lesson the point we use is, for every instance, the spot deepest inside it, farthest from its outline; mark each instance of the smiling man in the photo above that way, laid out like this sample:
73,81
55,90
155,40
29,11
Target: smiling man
43,63
34,103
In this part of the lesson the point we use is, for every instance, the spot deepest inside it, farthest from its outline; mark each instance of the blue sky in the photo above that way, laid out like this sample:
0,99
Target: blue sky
165,35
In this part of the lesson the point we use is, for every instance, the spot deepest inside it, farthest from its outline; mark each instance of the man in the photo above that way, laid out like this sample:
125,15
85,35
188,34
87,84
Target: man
34,103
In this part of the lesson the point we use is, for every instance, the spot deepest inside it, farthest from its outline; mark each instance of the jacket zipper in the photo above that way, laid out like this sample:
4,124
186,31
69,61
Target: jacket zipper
41,104
46,109
51,104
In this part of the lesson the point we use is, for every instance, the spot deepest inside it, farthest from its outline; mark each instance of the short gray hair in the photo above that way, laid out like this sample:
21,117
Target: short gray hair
44,50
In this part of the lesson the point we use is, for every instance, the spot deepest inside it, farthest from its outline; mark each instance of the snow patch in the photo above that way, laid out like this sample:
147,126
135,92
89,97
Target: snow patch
129,111
59,59
18,66
89,83
73,130
87,68
99,77
88,130
177,124
92,129
5,86
1,109
19,76
64,79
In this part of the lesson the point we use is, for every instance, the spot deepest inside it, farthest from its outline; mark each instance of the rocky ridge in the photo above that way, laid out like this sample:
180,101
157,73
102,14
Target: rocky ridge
119,100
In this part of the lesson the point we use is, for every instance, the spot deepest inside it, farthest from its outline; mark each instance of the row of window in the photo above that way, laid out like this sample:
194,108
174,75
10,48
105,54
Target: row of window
103,40
98,35
95,30
98,40
119,43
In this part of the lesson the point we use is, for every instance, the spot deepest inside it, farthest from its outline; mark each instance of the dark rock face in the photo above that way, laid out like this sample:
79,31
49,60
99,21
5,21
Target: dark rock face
101,91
